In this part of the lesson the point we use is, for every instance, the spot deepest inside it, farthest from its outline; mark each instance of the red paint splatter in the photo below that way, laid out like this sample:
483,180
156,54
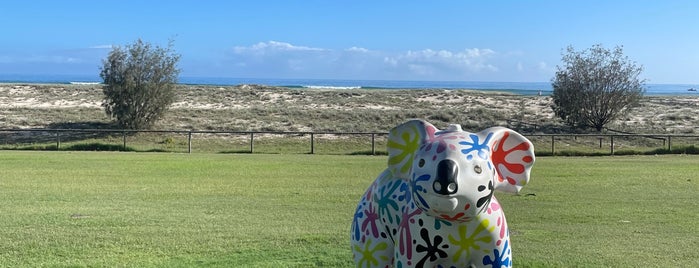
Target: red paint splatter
459,217
500,154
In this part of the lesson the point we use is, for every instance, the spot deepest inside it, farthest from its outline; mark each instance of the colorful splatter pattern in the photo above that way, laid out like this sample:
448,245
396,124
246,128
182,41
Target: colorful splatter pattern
434,204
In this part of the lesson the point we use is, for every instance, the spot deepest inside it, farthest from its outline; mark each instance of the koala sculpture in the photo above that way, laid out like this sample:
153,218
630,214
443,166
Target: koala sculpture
434,205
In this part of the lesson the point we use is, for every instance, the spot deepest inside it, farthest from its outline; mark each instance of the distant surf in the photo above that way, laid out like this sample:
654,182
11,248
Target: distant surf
332,87
84,83
521,88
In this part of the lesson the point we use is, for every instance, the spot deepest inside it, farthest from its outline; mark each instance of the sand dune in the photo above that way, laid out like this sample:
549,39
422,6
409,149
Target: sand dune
37,106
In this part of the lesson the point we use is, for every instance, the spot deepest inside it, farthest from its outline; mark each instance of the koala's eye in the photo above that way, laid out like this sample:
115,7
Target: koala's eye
477,169
421,163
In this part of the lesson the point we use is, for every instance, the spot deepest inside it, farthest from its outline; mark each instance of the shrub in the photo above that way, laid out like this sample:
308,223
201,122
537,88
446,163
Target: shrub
595,86
139,83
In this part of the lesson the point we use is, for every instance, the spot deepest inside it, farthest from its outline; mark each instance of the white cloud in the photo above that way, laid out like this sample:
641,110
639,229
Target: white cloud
101,47
357,49
476,52
281,59
272,46
390,61
472,59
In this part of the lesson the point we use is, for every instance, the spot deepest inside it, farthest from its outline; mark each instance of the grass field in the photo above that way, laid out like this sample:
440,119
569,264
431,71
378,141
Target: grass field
102,209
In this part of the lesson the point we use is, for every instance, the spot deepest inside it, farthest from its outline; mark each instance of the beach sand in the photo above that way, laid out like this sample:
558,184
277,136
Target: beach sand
255,107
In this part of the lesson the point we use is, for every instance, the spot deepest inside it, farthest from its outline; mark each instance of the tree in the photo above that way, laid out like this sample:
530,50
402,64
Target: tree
139,83
595,86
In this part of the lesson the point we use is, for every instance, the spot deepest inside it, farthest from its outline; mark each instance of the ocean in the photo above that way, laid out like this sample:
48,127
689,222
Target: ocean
522,88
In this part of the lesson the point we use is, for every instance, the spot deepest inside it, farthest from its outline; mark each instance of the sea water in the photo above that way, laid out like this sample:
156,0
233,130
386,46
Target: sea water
522,88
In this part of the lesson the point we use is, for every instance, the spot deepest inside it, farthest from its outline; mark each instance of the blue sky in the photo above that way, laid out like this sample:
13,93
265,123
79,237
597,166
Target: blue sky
513,41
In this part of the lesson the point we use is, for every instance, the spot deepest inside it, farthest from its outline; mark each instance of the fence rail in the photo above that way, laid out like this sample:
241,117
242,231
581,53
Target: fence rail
124,133
665,138
9,136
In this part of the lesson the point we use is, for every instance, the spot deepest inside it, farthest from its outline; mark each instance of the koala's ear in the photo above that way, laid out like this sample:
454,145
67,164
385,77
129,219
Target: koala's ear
512,156
404,141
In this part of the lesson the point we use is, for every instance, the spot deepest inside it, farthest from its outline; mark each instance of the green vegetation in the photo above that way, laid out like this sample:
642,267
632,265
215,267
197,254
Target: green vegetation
264,108
178,210
637,211
110,209
595,86
139,83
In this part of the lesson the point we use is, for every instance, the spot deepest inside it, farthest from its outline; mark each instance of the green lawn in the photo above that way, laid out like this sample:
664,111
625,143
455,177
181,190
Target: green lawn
102,209
623,211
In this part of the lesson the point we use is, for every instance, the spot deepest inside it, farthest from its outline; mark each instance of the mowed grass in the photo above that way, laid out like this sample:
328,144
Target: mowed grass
110,209
178,210
622,211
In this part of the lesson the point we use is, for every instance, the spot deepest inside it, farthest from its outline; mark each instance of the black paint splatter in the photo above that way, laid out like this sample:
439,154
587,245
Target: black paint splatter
483,202
431,248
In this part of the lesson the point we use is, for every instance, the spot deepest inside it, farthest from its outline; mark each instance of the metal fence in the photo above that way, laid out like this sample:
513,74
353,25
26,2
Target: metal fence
308,142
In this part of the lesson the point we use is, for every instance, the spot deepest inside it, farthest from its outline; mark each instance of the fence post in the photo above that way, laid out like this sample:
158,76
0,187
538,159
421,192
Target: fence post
553,147
252,138
313,150
58,140
669,144
189,142
373,144
124,136
611,146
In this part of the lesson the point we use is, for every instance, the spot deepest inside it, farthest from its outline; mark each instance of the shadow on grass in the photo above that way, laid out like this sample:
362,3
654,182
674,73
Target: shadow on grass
368,152
47,139
95,146
71,131
235,152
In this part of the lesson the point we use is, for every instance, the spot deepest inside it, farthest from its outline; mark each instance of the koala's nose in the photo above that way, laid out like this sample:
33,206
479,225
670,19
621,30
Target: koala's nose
445,183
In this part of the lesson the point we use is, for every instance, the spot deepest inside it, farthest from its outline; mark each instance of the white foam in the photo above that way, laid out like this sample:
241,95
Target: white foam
85,83
332,87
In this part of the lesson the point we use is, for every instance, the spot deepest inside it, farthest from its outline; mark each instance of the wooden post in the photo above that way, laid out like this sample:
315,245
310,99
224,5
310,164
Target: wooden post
553,147
313,150
611,146
124,136
669,144
189,142
373,144
252,139
58,140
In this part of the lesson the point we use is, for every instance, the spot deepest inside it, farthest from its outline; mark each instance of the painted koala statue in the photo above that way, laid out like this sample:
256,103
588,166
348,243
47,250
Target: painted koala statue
434,205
